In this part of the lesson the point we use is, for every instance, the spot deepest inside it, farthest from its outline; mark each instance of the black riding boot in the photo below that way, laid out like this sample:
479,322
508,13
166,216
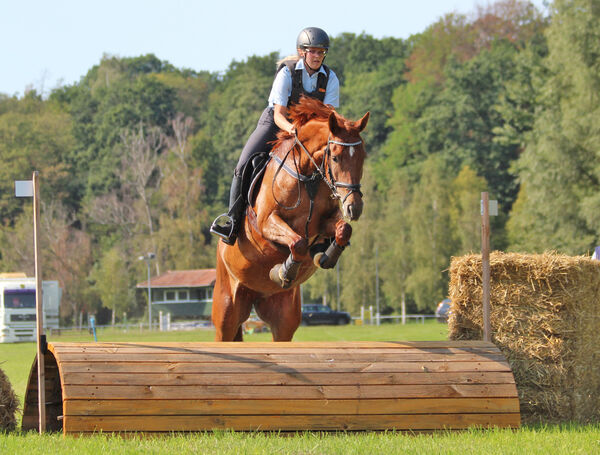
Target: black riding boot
233,218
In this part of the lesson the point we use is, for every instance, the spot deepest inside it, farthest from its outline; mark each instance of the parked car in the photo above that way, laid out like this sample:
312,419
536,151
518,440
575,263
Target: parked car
322,314
443,310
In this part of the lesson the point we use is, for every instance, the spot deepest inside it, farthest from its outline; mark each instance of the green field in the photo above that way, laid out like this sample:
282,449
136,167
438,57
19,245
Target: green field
569,439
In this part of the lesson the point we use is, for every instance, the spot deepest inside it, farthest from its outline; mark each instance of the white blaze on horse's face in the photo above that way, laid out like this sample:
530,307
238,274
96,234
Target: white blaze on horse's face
348,172
345,173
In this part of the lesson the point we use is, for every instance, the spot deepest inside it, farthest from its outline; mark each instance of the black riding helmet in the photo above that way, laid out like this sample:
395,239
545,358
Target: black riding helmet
313,37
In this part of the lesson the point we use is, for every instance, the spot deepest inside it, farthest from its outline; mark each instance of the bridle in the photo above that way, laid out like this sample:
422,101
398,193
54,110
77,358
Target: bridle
320,170
312,182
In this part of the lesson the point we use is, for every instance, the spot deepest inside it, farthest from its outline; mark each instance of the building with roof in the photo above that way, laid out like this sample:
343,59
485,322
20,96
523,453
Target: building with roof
182,293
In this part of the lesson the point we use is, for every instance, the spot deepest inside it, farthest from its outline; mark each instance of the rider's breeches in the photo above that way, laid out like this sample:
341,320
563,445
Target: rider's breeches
258,142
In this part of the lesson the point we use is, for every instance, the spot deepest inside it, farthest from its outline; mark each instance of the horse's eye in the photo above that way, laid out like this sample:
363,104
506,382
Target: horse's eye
335,159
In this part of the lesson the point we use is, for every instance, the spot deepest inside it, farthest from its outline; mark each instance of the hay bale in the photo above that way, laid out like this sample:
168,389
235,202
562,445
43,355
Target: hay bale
8,404
544,319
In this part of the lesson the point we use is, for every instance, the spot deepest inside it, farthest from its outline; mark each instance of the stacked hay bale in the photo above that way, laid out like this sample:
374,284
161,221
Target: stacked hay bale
544,318
8,404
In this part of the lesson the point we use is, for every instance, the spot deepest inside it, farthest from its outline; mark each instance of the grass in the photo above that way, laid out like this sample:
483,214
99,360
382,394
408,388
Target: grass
568,439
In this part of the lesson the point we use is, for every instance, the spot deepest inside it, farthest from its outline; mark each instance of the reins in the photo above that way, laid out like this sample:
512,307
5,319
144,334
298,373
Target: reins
312,182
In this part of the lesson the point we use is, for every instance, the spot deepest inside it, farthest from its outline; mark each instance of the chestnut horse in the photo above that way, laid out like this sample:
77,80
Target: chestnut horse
310,185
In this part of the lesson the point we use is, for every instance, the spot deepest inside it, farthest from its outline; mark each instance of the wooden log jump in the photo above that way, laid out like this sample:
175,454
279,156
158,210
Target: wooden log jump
173,387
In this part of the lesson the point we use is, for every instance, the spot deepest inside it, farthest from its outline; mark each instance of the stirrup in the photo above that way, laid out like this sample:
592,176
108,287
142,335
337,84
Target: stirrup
225,231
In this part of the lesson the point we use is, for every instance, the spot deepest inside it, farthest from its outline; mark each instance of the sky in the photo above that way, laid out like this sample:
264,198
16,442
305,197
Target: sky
48,43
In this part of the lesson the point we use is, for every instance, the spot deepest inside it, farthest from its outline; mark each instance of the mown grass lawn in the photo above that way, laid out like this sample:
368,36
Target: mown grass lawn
551,439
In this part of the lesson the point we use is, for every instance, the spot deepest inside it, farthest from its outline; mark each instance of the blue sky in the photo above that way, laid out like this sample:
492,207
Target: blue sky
44,44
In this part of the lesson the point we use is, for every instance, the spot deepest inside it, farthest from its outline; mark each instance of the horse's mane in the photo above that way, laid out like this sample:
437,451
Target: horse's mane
308,109
301,113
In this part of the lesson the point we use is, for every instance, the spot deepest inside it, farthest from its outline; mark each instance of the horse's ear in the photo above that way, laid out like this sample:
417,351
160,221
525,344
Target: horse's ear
362,123
334,126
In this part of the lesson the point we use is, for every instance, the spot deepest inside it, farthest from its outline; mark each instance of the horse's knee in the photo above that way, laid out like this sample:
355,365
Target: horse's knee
299,248
343,232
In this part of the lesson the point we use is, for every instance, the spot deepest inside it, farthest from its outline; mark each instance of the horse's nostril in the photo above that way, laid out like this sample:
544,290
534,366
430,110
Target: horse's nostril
352,211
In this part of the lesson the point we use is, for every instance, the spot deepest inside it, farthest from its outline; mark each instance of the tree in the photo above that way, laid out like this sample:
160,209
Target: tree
139,170
112,283
372,90
358,261
432,238
461,123
34,135
405,145
559,166
181,241
394,233
465,213
68,257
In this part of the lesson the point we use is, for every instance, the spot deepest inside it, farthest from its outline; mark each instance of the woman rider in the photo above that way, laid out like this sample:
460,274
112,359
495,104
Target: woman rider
306,75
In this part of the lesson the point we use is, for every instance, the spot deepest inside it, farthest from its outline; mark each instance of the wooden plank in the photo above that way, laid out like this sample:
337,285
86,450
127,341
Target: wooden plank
291,407
288,423
134,350
278,358
284,379
216,392
293,344
134,367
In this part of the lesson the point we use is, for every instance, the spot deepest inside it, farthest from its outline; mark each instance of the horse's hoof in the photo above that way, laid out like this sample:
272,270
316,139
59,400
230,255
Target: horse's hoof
317,259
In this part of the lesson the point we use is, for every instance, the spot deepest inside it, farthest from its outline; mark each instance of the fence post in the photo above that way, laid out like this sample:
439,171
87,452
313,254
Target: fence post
485,262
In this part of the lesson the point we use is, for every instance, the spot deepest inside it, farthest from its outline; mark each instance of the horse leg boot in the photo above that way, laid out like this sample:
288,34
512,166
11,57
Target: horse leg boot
329,258
284,274
229,230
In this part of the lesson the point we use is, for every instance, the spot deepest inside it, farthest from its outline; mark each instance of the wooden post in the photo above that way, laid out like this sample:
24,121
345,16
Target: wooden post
485,261
41,337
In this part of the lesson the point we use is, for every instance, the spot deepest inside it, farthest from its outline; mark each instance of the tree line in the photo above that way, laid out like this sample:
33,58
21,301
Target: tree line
137,156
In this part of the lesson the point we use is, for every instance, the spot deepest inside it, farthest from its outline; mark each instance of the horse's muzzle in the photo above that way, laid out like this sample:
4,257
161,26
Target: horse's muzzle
353,207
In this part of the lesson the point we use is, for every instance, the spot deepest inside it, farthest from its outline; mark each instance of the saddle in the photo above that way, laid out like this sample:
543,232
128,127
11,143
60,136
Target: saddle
252,175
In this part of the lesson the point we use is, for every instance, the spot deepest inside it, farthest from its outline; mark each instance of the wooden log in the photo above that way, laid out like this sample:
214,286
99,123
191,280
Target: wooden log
151,387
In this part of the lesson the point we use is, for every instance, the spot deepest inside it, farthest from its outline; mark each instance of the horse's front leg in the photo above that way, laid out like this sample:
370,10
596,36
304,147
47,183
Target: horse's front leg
277,230
329,258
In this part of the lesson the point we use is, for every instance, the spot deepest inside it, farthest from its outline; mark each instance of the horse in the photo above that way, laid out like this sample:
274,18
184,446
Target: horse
310,187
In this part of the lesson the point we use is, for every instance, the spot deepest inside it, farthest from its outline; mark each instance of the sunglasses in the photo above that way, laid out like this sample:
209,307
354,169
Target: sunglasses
317,52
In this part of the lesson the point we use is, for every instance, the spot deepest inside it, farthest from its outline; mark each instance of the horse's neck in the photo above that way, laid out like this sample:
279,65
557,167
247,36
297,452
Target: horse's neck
295,156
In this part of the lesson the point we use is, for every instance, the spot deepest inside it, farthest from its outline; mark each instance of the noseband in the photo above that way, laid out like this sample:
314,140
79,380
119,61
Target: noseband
352,187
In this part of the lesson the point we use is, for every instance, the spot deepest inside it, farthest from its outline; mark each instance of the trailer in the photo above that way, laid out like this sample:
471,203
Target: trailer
17,307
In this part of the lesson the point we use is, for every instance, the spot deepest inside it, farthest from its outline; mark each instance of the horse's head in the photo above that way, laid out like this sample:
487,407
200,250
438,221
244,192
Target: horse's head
335,146
344,157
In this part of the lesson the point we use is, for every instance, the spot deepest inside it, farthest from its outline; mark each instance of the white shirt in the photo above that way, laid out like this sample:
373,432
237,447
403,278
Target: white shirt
282,86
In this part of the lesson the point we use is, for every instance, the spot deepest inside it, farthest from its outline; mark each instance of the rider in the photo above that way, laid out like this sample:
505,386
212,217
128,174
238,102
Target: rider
305,74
